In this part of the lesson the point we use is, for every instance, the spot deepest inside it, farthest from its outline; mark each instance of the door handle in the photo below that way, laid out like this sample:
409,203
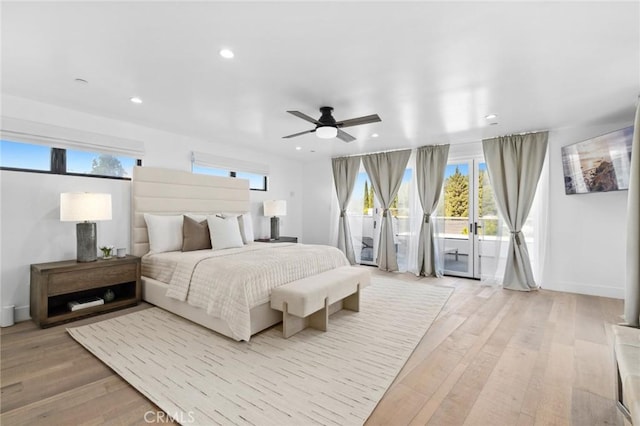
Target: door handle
476,228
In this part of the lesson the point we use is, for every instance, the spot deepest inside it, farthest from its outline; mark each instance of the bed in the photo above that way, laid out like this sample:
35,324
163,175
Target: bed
167,281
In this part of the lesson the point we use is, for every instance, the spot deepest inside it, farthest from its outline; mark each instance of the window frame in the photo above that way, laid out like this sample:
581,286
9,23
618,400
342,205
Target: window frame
58,164
232,174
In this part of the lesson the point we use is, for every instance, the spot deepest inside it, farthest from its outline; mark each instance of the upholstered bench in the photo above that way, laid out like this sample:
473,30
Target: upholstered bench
305,302
627,357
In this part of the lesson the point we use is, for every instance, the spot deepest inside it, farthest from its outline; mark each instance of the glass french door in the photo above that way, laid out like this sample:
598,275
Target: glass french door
365,215
468,213
364,211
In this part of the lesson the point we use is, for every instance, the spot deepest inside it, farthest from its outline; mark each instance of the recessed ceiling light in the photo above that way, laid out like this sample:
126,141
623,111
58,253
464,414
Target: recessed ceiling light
81,80
227,53
493,124
298,148
136,100
312,150
375,135
490,116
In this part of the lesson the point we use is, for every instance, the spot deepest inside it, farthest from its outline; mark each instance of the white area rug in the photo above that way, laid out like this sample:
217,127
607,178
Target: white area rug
313,378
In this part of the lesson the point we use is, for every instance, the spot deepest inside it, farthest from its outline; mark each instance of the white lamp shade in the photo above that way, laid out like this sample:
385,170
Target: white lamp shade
84,206
326,132
275,208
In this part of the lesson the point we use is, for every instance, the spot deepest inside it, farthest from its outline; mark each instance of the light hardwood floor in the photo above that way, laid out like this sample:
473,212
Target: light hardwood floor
493,357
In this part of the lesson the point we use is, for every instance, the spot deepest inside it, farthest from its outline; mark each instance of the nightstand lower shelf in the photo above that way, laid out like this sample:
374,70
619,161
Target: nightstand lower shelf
64,316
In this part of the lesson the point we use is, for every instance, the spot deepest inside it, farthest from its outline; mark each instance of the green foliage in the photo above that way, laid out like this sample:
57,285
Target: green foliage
485,195
368,197
490,227
456,201
456,195
487,205
107,165
393,208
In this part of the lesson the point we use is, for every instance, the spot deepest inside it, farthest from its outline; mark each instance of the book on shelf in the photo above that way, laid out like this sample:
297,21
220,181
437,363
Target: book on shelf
85,303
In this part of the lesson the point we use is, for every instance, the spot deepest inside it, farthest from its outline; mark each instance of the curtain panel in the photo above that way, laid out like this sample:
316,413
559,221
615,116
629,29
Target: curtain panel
514,164
431,162
386,170
345,171
632,288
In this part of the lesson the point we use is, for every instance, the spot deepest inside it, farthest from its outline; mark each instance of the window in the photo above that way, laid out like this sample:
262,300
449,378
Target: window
24,156
211,171
41,158
257,182
94,163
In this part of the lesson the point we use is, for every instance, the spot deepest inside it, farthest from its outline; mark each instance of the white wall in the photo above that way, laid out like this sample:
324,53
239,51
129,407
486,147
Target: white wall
31,231
29,203
587,232
318,196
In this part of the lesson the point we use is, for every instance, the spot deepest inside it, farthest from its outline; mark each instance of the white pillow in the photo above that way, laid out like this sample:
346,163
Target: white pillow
165,232
246,228
246,225
225,232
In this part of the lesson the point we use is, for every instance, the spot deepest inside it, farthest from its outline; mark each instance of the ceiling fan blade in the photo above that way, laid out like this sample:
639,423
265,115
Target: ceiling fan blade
373,118
304,117
299,134
344,136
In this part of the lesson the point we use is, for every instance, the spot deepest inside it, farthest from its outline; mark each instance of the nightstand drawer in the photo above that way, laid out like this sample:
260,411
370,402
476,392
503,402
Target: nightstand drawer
67,282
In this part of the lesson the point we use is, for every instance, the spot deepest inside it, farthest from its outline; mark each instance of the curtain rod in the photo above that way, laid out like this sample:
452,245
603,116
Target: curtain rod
389,150
440,144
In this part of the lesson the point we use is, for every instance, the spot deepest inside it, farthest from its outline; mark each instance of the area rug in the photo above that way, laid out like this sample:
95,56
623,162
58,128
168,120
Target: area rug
313,378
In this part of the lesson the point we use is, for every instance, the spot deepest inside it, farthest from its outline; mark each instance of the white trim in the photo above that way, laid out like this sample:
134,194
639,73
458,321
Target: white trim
18,130
231,164
21,313
588,289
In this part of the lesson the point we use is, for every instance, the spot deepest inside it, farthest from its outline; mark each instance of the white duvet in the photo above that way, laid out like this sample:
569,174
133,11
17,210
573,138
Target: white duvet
228,283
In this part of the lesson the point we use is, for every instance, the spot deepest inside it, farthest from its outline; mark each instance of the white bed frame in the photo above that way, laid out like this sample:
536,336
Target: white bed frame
166,191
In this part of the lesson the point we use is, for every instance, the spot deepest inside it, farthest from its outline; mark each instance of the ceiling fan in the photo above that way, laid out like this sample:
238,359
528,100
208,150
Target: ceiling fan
327,127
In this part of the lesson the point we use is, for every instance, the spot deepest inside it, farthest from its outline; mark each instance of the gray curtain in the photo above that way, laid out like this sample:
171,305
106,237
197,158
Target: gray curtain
514,164
431,162
345,171
385,171
632,291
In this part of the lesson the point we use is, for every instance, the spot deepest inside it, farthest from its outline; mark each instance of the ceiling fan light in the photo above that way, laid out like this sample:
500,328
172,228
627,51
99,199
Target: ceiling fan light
327,132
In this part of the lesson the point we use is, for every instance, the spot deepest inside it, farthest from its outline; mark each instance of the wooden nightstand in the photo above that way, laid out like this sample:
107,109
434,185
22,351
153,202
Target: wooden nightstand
55,284
279,240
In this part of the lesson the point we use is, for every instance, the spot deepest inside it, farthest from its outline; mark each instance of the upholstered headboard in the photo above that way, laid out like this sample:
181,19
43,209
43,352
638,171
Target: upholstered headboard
165,191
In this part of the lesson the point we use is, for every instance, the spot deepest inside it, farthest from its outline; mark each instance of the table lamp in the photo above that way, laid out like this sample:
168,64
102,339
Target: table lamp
85,207
275,208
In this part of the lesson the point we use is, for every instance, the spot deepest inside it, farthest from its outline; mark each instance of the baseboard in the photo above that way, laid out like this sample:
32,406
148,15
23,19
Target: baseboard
21,313
589,289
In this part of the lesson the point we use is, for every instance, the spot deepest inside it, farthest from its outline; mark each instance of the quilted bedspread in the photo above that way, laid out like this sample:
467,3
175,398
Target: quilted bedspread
228,283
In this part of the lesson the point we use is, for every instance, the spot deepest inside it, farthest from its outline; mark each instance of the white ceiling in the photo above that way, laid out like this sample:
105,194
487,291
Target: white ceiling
431,70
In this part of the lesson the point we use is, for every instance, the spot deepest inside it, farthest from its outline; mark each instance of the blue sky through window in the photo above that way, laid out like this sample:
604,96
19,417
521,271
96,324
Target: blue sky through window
358,189
256,181
463,168
24,156
38,157
82,162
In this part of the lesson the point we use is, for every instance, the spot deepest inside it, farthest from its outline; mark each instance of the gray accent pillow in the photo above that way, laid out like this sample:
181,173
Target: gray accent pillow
195,235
